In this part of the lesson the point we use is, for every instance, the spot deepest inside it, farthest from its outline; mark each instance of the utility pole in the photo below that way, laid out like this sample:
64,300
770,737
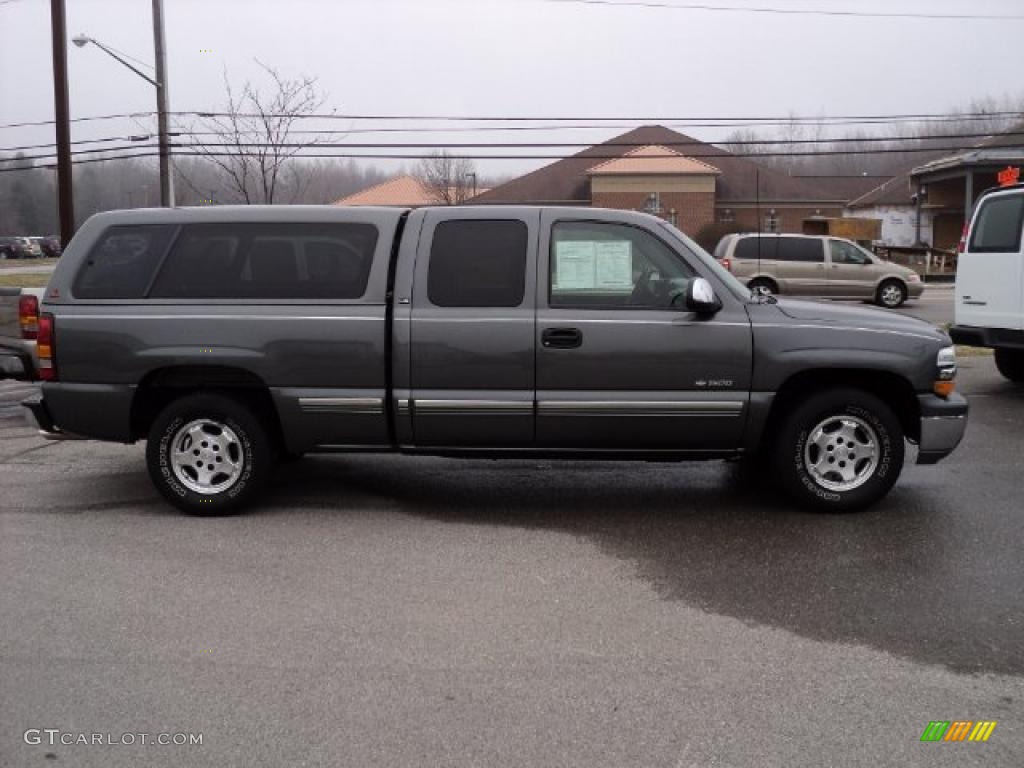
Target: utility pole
166,182
61,113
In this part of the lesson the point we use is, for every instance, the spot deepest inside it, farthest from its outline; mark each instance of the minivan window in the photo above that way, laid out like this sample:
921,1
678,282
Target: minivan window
478,263
847,253
604,265
269,261
121,263
997,227
806,249
757,248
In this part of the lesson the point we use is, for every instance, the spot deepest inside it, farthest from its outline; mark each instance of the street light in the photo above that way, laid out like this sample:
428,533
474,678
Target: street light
160,83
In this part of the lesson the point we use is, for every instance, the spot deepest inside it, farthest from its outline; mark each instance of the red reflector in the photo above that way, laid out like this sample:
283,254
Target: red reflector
962,246
727,263
28,316
46,348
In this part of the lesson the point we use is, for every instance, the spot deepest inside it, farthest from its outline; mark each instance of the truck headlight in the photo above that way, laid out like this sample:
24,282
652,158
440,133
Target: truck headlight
945,372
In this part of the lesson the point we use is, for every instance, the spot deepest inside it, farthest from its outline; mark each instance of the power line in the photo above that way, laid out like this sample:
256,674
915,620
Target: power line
180,151
588,122
37,123
785,120
797,11
536,145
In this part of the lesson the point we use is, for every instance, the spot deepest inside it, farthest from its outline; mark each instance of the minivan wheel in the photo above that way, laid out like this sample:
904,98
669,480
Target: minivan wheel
208,454
841,450
1010,363
764,285
891,294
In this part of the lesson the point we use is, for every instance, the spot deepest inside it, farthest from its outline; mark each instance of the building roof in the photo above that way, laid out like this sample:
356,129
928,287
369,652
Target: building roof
401,191
653,159
567,182
895,191
1005,147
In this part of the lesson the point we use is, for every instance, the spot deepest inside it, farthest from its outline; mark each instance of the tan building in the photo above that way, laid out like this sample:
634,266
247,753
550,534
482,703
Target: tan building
693,184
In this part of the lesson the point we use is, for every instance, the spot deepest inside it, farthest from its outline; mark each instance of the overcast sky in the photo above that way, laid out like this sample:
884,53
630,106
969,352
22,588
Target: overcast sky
520,57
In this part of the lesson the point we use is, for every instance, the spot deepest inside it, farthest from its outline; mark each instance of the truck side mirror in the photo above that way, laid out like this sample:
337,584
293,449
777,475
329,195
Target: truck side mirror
701,298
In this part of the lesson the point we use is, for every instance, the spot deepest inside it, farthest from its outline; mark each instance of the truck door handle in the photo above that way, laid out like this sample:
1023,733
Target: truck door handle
561,338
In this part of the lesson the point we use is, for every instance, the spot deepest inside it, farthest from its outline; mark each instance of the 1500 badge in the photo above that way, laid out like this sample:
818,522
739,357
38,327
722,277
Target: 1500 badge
721,383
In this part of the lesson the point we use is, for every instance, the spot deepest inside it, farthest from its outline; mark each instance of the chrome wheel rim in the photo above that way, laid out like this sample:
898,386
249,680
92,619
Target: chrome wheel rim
841,453
207,456
891,295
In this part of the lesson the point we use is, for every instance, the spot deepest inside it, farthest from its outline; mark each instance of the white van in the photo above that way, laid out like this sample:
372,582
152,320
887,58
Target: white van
990,280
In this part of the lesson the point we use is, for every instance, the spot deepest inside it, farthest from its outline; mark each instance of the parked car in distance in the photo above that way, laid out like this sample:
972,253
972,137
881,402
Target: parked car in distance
49,246
19,326
989,294
812,265
18,248
227,336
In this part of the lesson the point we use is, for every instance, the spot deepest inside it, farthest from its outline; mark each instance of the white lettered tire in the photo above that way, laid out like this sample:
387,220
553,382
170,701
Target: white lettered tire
208,454
840,450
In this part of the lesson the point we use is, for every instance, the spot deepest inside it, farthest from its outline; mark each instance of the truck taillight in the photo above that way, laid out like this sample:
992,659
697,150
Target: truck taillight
28,316
727,263
962,246
46,348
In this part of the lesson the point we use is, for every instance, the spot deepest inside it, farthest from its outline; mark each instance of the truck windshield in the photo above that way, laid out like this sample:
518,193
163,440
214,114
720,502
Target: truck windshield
730,281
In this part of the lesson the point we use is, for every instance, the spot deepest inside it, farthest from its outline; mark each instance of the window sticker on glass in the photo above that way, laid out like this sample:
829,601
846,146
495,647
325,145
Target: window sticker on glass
574,265
613,265
588,265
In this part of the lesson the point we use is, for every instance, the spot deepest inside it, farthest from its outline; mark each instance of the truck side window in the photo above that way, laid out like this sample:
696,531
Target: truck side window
997,229
122,262
478,263
269,261
604,265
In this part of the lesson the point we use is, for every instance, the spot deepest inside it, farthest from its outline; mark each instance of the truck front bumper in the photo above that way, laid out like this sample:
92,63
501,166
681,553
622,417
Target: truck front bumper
943,422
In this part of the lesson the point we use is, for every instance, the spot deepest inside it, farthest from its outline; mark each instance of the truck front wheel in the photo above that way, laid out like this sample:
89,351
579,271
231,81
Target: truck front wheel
208,454
840,450
1010,363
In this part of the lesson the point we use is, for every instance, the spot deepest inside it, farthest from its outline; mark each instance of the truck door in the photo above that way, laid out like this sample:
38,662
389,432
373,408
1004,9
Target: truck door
990,272
472,365
620,365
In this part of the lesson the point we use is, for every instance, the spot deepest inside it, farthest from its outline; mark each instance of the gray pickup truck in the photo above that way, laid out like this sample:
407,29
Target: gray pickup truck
228,337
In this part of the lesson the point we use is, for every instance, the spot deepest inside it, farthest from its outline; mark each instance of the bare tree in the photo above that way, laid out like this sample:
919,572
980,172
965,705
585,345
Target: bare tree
252,141
450,180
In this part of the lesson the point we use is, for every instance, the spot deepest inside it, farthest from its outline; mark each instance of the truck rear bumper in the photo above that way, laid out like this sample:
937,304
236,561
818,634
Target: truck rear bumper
38,416
943,422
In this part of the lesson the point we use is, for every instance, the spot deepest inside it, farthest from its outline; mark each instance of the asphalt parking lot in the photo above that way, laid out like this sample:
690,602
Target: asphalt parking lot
383,610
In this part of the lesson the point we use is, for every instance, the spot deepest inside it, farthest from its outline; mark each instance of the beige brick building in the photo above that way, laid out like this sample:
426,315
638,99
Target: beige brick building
693,184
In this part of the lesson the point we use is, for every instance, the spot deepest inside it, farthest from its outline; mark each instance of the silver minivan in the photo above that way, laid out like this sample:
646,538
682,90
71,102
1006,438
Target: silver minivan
813,265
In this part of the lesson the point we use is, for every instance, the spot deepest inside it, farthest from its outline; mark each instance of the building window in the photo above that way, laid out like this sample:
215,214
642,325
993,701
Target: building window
726,216
653,204
772,222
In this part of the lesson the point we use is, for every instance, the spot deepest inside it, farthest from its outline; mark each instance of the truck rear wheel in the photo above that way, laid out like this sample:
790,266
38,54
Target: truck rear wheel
1010,363
840,450
208,454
